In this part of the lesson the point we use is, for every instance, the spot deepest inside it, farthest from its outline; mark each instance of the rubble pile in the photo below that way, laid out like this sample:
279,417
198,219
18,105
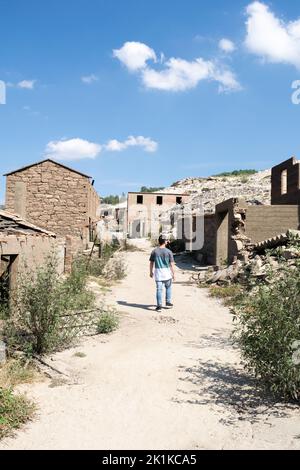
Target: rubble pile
282,251
255,189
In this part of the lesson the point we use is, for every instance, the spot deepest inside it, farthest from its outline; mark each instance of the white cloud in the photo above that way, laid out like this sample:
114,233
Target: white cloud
270,37
72,149
145,143
134,55
176,74
79,149
226,45
27,84
89,79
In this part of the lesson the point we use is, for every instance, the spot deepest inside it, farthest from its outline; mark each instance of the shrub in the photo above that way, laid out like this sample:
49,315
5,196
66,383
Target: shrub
108,322
237,173
38,305
15,410
115,269
268,332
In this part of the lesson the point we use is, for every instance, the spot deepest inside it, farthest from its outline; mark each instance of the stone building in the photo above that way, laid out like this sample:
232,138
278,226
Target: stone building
144,210
286,182
57,198
22,243
236,226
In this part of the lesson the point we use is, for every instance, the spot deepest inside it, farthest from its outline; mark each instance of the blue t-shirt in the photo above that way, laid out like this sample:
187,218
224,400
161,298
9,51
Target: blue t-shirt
162,258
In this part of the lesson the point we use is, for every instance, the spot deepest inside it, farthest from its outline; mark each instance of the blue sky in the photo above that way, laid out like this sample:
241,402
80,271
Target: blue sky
142,92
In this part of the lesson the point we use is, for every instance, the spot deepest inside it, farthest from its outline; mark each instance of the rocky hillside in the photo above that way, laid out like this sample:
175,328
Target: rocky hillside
255,189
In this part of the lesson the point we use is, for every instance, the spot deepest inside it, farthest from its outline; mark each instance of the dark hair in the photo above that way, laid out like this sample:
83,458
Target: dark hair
162,240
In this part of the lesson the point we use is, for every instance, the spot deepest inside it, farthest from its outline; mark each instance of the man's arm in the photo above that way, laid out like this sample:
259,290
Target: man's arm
172,266
151,268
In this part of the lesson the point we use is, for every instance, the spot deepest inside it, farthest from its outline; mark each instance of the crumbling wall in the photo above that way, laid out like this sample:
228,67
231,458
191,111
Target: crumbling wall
285,180
264,222
31,250
208,250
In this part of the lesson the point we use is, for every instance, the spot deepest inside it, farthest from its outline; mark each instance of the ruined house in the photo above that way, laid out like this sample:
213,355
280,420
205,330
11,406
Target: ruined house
57,198
144,210
22,243
286,182
237,226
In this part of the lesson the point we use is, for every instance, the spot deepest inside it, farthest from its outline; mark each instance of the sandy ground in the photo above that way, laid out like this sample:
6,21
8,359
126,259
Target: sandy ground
162,381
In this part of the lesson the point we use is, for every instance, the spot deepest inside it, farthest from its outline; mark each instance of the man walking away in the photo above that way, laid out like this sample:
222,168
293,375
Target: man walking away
162,268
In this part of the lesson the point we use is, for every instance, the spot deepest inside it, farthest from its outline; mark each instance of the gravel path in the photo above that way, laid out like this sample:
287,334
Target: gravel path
162,381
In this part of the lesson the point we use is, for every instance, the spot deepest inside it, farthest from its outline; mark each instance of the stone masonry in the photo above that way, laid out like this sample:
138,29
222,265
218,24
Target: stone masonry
56,198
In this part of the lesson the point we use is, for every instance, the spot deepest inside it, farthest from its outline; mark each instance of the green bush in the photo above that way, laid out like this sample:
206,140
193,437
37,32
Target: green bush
108,322
237,173
228,294
40,301
268,332
15,410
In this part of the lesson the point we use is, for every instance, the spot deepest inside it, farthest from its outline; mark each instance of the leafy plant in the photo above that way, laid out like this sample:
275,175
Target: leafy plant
108,322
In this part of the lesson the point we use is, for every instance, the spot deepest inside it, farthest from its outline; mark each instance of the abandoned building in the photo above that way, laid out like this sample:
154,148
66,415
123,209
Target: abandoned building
144,209
286,182
57,198
22,243
235,226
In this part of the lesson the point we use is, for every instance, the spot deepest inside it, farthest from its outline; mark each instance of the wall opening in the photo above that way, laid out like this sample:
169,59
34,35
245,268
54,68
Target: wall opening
284,182
159,200
6,279
178,200
140,199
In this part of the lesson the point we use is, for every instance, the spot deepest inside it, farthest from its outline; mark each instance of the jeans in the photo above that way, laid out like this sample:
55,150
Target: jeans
159,289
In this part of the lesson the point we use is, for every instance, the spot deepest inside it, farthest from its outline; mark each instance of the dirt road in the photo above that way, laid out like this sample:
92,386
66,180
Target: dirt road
166,381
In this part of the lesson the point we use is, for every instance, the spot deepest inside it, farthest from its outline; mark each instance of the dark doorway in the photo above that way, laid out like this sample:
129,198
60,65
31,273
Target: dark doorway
6,263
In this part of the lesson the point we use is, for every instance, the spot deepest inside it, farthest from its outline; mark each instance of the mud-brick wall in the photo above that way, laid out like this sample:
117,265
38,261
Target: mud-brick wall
31,251
54,198
264,222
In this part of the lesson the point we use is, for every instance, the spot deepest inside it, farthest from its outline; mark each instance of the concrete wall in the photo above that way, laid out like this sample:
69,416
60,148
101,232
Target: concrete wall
264,222
291,182
143,212
30,250
238,225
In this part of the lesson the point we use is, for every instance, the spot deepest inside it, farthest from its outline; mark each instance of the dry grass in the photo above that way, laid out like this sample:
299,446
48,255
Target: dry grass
17,371
226,293
15,410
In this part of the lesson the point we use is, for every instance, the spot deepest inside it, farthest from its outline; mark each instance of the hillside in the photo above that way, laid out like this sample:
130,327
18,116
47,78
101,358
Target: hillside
255,189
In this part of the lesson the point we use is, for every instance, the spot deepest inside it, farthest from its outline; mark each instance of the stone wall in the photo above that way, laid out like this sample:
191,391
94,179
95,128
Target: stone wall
55,198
